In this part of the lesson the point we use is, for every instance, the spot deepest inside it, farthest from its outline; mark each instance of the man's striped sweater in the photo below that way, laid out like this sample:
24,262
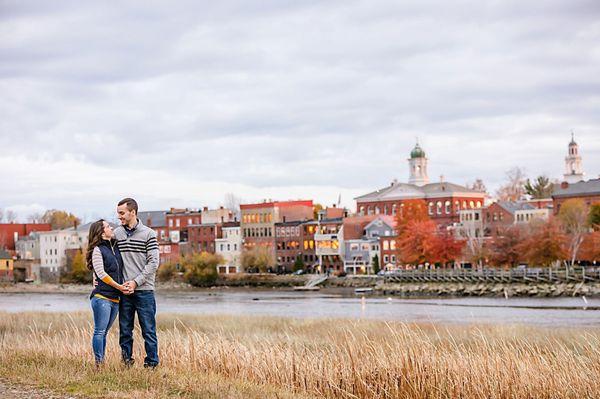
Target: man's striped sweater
139,249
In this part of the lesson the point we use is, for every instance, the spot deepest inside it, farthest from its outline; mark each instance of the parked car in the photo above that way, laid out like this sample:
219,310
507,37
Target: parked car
299,272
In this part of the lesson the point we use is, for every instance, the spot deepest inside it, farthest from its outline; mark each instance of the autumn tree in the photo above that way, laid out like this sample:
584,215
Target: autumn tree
540,188
590,248
201,269
60,219
77,270
513,189
594,216
573,216
544,245
316,209
446,248
416,242
505,249
259,258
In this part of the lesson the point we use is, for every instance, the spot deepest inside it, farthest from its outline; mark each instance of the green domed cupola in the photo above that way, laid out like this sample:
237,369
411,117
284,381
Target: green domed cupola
417,152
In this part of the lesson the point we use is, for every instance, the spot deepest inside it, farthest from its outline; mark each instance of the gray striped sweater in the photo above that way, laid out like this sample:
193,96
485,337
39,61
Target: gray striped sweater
139,249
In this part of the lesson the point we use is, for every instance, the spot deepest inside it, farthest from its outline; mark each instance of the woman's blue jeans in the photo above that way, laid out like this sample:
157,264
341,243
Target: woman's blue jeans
105,312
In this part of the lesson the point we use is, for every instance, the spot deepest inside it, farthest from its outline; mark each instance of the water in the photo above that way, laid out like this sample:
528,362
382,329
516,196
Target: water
549,312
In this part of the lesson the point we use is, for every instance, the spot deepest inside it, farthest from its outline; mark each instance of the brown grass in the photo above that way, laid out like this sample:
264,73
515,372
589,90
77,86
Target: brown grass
220,356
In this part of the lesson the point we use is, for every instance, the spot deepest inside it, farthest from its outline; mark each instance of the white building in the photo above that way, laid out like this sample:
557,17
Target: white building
28,247
53,246
229,247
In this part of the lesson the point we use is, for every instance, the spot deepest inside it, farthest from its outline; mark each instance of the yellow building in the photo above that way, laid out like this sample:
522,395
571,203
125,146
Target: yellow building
6,265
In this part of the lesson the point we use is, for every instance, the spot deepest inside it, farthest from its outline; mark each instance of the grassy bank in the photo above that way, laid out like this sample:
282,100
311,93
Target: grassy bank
257,357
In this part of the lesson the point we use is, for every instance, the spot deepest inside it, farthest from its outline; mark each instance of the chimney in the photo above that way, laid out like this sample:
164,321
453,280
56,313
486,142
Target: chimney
221,207
564,185
205,209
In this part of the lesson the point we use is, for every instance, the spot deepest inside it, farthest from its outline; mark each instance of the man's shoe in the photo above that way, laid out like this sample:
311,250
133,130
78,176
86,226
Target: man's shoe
128,362
151,366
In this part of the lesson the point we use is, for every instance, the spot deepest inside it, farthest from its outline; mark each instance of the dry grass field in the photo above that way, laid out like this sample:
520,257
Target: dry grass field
266,357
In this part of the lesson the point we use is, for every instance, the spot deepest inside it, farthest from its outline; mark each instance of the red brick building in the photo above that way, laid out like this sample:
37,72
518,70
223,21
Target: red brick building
11,232
587,191
288,244
259,220
201,237
443,199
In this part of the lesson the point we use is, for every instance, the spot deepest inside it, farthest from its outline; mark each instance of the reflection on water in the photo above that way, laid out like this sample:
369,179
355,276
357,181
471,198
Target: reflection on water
563,312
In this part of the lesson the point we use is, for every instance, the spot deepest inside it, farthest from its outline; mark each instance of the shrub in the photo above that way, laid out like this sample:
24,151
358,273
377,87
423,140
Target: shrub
201,269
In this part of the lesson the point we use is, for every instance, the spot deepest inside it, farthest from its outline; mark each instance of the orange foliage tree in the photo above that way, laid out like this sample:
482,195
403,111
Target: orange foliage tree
505,247
544,245
590,249
419,240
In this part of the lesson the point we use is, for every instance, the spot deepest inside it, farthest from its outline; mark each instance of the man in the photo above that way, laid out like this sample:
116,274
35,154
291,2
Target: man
139,249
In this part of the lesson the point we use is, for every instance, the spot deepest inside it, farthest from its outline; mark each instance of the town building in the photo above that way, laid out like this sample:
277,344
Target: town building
202,237
443,199
229,246
11,232
53,249
6,266
586,191
28,247
258,221
328,242
288,245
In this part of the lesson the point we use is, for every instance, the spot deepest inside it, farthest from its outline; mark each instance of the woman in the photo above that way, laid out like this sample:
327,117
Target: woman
104,258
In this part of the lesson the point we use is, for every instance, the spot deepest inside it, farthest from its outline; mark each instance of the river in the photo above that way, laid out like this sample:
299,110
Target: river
548,312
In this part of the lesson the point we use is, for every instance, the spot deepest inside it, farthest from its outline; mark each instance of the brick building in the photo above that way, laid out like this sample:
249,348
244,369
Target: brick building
443,200
288,244
11,232
258,221
587,191
202,237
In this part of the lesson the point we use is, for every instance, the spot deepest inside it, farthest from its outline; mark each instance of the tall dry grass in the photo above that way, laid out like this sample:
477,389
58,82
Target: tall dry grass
205,356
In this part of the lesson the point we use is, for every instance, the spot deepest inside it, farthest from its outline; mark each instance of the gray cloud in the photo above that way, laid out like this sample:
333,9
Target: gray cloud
269,95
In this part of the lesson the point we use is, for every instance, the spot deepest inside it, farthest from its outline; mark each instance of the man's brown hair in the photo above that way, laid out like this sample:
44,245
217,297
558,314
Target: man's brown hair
131,204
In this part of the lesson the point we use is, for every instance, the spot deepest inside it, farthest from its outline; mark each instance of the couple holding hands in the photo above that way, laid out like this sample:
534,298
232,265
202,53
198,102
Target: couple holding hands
124,263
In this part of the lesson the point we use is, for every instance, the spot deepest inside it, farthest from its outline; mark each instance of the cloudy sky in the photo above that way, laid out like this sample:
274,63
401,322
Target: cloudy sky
179,103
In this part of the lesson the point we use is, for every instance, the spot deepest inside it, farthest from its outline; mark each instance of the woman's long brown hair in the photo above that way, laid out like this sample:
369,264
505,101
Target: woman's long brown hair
94,239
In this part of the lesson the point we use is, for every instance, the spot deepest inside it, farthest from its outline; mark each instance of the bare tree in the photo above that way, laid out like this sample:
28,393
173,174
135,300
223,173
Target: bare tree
232,202
573,216
35,217
478,185
11,216
513,189
1,215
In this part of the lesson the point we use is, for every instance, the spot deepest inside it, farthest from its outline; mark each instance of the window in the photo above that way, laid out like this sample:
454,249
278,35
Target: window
362,210
353,247
394,209
386,258
386,245
430,208
476,216
189,220
377,210
235,247
393,258
365,247
478,204
177,222
448,206
439,207
222,247
393,244
471,204
170,222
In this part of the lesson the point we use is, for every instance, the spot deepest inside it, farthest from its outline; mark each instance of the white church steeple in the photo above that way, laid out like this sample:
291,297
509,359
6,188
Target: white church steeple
573,169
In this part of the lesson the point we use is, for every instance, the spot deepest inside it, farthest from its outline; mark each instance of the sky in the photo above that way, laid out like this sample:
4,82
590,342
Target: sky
179,103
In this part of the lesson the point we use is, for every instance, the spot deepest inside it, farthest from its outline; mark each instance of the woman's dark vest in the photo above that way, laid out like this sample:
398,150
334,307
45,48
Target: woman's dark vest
113,266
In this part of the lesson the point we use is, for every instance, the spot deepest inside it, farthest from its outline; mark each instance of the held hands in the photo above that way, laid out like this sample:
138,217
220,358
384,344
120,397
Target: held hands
128,287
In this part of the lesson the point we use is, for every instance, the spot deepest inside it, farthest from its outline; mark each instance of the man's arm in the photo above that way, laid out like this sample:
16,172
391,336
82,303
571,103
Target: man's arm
152,257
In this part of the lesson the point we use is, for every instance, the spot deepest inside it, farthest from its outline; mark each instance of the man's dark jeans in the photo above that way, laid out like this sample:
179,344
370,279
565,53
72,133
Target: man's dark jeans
142,303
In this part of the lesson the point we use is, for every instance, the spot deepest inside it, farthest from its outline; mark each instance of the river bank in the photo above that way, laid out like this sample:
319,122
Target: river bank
348,283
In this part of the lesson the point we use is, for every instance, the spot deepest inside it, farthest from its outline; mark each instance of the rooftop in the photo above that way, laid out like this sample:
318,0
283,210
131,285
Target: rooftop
582,188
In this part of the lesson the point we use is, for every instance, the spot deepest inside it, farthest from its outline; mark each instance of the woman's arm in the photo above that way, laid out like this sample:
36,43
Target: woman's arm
98,265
